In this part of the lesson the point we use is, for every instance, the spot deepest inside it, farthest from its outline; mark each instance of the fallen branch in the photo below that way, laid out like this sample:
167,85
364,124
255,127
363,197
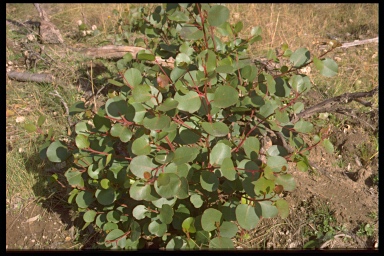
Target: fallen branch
30,77
48,32
367,41
113,51
329,105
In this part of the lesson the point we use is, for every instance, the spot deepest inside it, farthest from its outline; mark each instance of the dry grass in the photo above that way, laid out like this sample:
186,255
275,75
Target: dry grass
298,25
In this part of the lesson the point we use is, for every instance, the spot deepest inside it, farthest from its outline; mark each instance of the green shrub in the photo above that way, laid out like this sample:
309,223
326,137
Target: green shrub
178,153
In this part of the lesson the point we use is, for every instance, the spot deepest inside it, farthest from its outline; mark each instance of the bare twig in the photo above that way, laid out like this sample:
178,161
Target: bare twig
329,104
324,245
65,106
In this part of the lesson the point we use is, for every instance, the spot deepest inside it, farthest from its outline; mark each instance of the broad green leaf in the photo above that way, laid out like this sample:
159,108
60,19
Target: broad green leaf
276,163
211,219
225,96
122,132
180,215
327,144
142,55
298,107
166,214
268,108
225,29
139,212
110,226
163,156
217,15
82,128
277,150
141,93
133,77
141,164
77,107
84,199
227,169
282,116
41,120
82,141
182,60
228,229
287,181
221,243
303,126
184,155
141,191
196,200
176,73
105,196
302,166
113,236
190,102
189,136
57,152
74,178
105,183
251,144
101,123
167,184
219,152
101,219
224,69
297,83
249,72
246,216
183,192
141,146
263,186
238,27
300,57
327,67
158,122
114,216
202,237
162,201
89,216
168,104
114,82
116,107
188,225
209,181
157,228
216,129
177,243
267,209
282,207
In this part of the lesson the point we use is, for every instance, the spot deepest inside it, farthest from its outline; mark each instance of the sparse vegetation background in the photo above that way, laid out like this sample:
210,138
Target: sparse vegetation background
334,205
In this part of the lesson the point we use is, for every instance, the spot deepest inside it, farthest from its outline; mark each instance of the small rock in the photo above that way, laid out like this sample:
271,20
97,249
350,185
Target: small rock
20,119
67,239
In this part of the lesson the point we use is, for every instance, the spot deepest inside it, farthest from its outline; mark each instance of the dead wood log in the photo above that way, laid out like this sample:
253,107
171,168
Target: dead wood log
30,77
329,104
113,51
49,34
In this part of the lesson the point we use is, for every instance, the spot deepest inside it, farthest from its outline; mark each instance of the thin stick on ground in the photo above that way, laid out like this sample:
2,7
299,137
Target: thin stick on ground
64,104
93,89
